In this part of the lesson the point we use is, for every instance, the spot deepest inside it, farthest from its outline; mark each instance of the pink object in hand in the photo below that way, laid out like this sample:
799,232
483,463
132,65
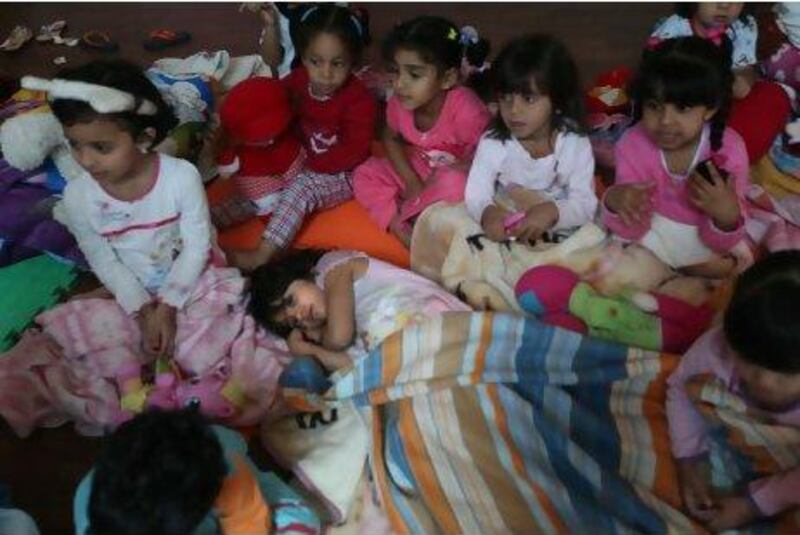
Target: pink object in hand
511,221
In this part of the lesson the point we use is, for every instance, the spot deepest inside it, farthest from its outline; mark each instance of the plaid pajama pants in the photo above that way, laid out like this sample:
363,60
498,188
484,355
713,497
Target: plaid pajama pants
308,193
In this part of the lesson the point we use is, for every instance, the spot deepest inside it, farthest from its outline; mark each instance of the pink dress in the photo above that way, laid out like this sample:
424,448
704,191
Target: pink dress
442,153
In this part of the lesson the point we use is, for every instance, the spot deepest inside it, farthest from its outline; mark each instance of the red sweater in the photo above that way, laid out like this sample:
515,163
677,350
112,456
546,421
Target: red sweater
337,132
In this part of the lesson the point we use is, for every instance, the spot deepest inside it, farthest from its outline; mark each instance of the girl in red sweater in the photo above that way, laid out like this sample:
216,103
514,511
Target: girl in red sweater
335,119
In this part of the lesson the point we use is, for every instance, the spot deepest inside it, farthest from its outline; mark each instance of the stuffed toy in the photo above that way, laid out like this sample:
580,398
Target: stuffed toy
28,139
647,320
259,151
217,396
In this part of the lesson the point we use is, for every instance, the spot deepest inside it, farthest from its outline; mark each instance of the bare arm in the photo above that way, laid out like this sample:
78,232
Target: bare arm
271,49
331,360
340,327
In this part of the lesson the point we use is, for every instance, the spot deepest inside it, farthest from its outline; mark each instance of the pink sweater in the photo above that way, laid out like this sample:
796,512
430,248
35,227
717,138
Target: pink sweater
639,160
688,431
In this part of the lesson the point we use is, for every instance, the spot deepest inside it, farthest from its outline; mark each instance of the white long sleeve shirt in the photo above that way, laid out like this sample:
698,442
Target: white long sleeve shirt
565,177
154,246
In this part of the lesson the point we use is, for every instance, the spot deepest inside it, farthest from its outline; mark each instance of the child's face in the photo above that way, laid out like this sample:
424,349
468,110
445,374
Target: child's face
673,127
416,82
714,14
105,150
769,390
328,63
527,116
303,306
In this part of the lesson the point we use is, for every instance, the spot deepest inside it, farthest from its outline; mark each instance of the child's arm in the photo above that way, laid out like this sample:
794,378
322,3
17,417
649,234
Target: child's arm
578,167
395,152
479,192
340,327
353,141
105,264
687,429
626,207
331,360
270,42
723,202
195,230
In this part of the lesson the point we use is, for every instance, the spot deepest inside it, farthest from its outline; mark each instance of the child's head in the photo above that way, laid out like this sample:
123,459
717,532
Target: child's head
762,326
424,56
159,473
711,14
284,296
330,41
108,143
536,83
681,85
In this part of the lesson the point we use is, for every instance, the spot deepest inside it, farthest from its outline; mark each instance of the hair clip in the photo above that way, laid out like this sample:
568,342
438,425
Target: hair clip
452,35
308,13
353,18
469,36
357,24
102,99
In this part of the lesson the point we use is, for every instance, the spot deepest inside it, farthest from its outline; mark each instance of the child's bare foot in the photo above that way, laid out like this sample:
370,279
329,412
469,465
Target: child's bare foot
401,230
248,261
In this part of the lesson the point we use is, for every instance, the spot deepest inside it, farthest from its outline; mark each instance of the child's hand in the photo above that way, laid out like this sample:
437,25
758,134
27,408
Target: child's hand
299,345
148,327
633,203
492,222
743,80
413,189
167,317
695,488
732,512
718,200
538,219
268,14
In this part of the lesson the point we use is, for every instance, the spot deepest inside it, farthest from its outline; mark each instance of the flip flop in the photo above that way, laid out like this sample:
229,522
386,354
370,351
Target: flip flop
161,39
18,37
98,40
52,32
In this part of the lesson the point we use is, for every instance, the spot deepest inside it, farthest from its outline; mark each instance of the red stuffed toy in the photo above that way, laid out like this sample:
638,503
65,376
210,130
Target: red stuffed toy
261,153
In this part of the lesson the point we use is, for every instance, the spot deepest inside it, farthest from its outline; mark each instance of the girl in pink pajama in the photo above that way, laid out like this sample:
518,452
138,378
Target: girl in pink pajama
433,127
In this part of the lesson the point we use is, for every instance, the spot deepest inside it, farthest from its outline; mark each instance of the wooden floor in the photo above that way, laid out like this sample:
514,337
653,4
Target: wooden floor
600,35
44,469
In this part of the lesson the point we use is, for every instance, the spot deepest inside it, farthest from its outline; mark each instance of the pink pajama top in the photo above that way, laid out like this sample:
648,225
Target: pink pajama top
688,430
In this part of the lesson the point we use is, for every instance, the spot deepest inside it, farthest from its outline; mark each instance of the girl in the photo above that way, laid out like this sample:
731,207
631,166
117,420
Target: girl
754,353
142,221
661,198
730,26
324,303
140,217
433,126
535,144
335,119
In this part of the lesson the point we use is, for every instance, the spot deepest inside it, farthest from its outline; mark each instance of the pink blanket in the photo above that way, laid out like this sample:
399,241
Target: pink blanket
67,370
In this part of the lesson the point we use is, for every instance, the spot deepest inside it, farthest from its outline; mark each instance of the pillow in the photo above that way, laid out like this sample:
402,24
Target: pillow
326,451
347,226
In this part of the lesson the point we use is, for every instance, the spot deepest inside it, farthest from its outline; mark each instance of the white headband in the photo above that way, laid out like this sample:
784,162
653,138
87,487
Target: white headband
102,99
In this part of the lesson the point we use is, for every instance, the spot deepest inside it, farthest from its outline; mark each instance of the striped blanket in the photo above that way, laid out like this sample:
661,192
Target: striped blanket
489,423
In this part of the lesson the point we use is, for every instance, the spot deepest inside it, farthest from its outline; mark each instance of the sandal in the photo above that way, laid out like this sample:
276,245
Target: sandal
98,40
52,32
18,37
161,39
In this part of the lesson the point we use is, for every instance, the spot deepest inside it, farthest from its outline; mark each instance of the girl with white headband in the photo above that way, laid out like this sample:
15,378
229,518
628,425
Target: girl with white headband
140,217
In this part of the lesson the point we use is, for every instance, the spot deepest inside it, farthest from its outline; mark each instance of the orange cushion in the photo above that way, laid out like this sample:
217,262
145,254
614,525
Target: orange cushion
347,226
